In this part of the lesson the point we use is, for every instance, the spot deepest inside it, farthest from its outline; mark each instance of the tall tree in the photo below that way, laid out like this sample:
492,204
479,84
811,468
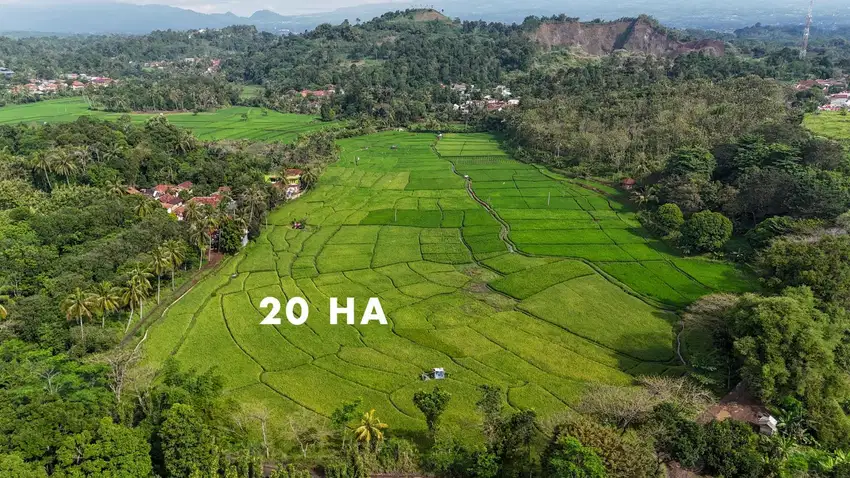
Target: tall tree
106,298
76,306
137,291
371,429
64,163
432,404
44,162
160,263
176,251
254,198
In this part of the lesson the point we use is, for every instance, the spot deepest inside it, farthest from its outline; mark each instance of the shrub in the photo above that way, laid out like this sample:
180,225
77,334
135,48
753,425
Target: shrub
566,457
625,455
706,231
669,218
732,450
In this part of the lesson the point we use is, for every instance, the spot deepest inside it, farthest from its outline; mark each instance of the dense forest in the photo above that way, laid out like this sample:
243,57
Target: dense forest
715,145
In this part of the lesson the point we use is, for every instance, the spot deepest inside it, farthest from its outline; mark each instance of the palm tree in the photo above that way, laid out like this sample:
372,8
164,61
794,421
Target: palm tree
145,207
185,142
210,223
76,306
370,429
45,164
63,163
3,312
160,263
199,239
137,290
106,298
176,256
112,151
115,188
192,213
253,197
310,177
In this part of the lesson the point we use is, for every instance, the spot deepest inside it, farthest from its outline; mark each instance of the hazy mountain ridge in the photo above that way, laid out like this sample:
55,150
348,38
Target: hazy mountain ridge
106,17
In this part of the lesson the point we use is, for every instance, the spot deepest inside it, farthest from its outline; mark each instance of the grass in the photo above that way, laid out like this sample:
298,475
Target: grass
400,225
829,124
223,124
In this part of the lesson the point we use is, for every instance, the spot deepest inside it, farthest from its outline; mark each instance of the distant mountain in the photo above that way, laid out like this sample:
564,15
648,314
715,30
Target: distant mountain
109,17
101,18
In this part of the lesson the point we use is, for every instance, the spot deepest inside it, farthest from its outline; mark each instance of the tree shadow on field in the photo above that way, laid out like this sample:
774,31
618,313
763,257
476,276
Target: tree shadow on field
650,353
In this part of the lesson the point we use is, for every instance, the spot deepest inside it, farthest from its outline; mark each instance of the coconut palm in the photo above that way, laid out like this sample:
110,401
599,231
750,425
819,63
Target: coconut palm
137,291
371,429
254,197
106,298
112,151
3,312
76,306
210,224
64,164
176,251
309,177
185,142
115,188
192,213
198,237
45,164
145,207
159,264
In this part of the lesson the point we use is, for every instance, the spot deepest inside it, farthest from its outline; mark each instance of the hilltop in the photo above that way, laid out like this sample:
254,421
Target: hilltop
640,34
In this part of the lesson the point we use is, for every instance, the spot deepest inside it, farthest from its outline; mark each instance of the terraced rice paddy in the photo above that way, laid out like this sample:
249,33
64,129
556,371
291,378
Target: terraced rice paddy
223,124
829,124
546,287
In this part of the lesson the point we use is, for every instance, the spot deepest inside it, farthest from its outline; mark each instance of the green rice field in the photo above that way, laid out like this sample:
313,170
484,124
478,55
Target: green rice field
515,277
829,124
223,124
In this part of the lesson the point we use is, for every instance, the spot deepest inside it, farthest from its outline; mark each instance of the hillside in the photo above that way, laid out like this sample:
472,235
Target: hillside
637,35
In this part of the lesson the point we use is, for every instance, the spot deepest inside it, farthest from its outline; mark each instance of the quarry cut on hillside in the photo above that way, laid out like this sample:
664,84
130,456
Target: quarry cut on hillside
638,35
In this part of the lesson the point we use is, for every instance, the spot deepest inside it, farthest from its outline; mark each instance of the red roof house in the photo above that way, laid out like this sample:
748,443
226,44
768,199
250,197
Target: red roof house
185,185
169,199
628,183
208,200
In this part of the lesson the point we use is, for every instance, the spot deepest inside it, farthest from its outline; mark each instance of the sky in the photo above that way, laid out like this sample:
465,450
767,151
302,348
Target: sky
239,7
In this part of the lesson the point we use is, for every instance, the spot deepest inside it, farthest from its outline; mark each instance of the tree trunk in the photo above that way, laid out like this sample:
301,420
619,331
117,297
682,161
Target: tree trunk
82,334
47,177
172,278
103,321
158,282
201,260
129,319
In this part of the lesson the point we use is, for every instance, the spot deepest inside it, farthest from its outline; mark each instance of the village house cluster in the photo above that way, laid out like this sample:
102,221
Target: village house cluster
327,92
836,101
174,199
213,64
499,99
68,81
